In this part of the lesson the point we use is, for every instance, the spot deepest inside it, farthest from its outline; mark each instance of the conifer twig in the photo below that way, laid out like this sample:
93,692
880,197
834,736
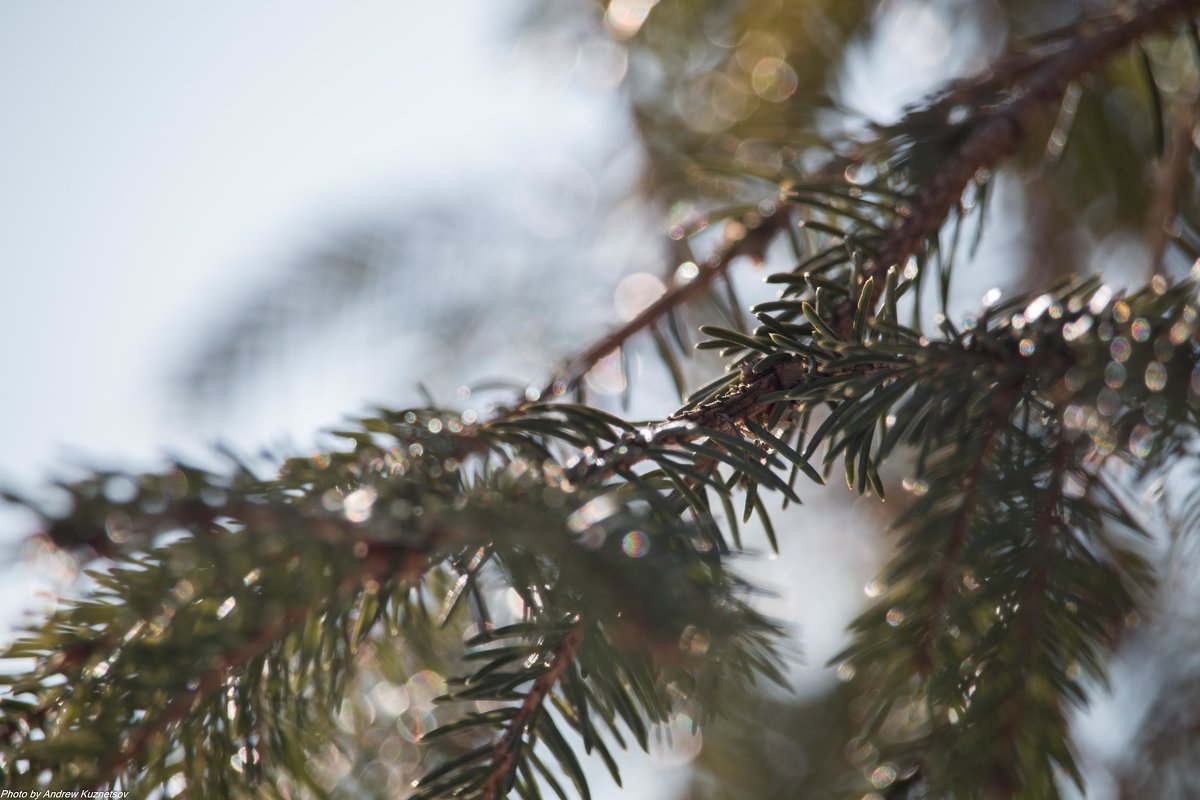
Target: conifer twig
996,135
752,241
1171,172
504,753
1005,782
972,483
210,681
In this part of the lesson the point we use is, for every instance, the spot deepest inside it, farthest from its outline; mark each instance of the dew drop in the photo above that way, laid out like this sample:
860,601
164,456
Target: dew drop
1114,375
686,272
1108,402
1140,330
1156,376
1076,329
894,617
1103,441
1100,300
1027,347
357,505
883,776
1038,307
118,527
1120,349
1140,440
591,513
860,174
226,608
635,544
846,671
1180,332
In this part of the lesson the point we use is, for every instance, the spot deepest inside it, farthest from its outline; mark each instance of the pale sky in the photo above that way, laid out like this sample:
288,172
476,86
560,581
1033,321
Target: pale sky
159,157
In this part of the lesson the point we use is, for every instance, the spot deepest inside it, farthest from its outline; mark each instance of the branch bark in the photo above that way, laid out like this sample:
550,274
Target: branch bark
504,756
995,137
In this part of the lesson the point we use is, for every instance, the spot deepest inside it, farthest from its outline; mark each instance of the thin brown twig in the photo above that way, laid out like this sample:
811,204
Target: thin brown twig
504,755
996,136
751,238
1171,172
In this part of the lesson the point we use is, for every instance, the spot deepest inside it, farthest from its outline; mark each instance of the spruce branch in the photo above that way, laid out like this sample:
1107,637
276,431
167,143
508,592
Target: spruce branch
504,756
1007,778
984,142
958,538
207,683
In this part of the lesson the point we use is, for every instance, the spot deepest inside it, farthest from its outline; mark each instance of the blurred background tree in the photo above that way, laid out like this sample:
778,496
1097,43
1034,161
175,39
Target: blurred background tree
734,108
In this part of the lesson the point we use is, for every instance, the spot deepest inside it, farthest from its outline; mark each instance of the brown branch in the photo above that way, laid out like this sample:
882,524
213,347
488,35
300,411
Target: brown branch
504,755
1171,172
755,234
996,136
